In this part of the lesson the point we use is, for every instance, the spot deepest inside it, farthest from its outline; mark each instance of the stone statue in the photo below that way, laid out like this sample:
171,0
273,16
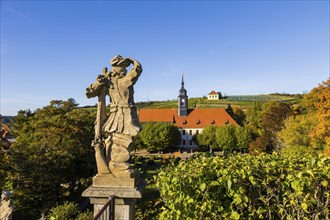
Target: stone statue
114,133
6,206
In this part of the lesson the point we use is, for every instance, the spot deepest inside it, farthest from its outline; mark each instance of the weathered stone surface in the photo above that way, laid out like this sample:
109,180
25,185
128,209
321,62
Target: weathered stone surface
124,209
114,133
127,179
6,206
119,154
100,195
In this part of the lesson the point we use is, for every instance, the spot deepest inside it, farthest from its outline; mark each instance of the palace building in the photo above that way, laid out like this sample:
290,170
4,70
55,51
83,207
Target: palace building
189,121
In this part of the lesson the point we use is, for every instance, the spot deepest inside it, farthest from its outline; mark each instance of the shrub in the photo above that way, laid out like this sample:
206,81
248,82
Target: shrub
88,215
246,187
68,211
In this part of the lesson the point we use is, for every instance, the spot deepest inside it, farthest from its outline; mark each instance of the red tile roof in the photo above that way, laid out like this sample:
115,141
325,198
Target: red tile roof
197,118
213,93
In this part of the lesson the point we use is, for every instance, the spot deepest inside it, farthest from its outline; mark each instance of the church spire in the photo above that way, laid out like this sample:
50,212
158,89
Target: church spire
182,91
182,100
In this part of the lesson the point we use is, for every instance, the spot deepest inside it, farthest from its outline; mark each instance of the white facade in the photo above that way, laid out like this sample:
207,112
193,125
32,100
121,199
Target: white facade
186,136
213,96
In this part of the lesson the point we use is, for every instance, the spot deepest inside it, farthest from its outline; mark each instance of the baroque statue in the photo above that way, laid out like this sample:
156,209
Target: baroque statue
114,132
6,206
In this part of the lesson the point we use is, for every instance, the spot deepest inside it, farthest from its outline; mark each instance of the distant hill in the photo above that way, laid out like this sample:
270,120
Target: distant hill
242,101
265,98
239,100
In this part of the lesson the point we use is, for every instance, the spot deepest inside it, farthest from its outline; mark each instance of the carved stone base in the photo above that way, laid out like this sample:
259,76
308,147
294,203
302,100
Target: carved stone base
125,199
126,179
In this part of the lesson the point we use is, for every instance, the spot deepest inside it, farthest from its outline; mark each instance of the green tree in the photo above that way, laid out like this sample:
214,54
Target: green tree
244,137
206,139
239,116
4,146
296,132
226,138
51,159
230,110
158,136
4,167
266,121
253,118
273,117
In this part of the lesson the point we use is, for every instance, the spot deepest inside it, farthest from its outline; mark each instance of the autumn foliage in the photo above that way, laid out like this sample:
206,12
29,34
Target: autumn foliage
318,102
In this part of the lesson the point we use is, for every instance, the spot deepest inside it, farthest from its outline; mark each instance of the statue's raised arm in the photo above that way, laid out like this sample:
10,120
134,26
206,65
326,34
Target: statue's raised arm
135,71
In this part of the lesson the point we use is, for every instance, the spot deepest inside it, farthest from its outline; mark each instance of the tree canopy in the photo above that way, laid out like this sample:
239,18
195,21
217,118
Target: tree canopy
297,131
158,136
227,138
206,139
266,121
310,127
318,102
51,159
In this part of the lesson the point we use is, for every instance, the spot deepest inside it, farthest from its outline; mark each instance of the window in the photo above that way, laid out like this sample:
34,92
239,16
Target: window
183,142
190,132
197,131
190,142
183,132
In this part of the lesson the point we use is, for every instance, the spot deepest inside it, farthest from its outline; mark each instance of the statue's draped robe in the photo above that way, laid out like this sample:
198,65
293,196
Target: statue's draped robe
123,115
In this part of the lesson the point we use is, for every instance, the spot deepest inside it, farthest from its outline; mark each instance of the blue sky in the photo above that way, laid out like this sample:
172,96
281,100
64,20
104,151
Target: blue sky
55,49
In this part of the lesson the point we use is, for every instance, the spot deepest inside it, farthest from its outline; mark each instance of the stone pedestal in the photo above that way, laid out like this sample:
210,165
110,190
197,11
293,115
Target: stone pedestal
125,197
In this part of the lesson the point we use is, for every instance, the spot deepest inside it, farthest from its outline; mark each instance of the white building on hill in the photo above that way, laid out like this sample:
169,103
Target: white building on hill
213,95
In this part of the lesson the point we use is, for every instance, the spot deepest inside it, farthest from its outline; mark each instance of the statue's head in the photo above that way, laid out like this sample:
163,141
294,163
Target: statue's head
119,65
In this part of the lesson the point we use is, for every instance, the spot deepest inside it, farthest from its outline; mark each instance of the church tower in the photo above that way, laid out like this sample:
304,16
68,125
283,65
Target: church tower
182,100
